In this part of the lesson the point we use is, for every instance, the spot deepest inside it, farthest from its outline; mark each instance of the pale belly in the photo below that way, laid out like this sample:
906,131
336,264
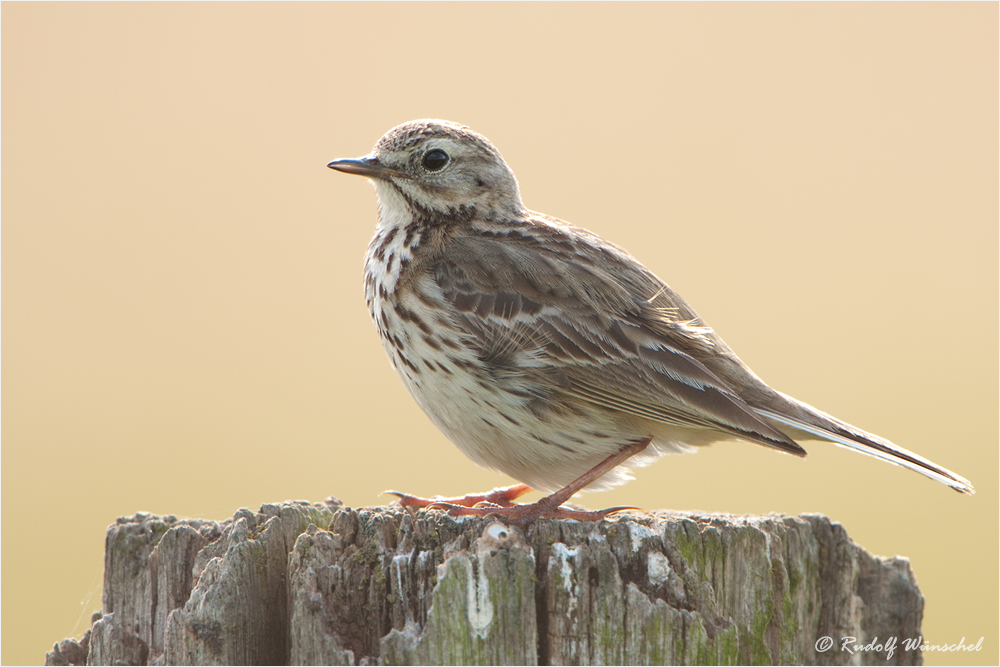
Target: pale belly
502,423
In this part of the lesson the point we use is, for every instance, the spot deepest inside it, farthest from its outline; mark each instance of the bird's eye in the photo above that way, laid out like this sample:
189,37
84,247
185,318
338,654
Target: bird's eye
435,159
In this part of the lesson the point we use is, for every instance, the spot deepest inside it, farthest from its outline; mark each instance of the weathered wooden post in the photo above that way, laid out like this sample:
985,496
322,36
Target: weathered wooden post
298,583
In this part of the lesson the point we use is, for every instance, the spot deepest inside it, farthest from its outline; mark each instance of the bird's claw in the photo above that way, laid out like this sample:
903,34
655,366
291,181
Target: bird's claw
500,497
521,515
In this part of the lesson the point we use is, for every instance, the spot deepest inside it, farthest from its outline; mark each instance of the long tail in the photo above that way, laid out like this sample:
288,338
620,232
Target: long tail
803,417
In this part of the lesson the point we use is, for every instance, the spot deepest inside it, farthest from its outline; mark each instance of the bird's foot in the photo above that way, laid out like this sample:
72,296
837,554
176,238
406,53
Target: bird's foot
522,515
499,502
500,497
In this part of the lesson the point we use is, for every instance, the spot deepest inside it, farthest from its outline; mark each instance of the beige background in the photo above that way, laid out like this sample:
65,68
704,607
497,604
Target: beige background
184,329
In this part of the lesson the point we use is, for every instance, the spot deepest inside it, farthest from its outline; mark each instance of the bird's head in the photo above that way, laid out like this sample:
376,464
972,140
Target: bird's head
439,170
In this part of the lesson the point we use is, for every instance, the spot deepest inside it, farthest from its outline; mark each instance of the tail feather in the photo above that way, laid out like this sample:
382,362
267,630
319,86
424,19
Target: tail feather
825,427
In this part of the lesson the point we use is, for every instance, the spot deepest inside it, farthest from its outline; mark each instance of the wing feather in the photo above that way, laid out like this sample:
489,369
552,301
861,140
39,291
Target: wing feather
609,337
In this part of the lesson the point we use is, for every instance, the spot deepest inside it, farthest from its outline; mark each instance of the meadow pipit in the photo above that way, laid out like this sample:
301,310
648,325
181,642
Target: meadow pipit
544,351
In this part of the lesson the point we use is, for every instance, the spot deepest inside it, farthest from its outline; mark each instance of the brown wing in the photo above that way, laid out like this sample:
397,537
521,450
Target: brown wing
587,320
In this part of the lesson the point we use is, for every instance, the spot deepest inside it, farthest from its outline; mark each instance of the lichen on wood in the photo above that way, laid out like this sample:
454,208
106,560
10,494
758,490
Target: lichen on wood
301,583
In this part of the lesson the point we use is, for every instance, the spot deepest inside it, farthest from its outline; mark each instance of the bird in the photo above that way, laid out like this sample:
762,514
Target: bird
544,351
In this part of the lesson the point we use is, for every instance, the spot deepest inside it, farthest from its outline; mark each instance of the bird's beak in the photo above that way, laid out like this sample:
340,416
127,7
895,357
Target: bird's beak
366,166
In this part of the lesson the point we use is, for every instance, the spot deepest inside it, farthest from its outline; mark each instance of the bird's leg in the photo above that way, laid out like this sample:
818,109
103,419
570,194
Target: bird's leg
500,497
549,506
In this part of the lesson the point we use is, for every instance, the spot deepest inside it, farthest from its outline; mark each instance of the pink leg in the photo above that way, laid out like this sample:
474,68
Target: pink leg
521,515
